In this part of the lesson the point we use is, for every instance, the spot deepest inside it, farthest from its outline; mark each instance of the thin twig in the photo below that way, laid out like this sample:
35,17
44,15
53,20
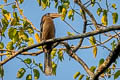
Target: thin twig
78,59
71,27
24,17
88,12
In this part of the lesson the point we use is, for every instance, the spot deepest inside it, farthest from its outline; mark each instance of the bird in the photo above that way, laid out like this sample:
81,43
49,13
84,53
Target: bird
47,31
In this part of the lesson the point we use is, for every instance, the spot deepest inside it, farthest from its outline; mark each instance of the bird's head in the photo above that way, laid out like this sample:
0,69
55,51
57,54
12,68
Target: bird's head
53,15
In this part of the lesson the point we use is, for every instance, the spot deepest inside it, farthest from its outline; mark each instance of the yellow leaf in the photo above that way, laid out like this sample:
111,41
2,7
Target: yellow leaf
114,6
115,17
70,13
43,5
31,41
37,37
104,20
95,51
92,40
70,34
53,52
7,16
76,75
64,11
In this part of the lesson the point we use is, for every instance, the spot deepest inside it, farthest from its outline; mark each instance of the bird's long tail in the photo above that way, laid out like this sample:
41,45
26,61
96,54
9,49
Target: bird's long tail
47,62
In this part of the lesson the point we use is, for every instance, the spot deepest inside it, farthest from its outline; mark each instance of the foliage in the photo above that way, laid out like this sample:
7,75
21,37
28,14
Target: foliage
19,33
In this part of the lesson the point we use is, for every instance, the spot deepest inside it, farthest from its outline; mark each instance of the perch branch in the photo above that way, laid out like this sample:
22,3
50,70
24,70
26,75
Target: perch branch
111,28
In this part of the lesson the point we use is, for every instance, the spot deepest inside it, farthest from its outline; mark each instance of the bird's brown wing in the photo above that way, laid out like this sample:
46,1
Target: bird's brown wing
48,32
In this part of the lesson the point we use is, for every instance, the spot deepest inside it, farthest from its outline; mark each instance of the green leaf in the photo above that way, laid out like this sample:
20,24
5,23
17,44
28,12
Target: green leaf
113,66
101,61
28,61
87,78
14,6
29,77
4,11
15,16
41,67
36,74
104,18
21,1
5,24
12,32
56,3
53,52
1,71
71,14
21,73
60,55
99,10
15,38
92,40
30,30
93,68
23,36
80,77
39,2
115,17
113,44
60,9
66,4
10,45
92,2
76,75
54,67
1,45
31,41
117,74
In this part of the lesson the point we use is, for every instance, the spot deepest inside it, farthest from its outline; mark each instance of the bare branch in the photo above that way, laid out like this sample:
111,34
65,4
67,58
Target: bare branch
84,30
8,4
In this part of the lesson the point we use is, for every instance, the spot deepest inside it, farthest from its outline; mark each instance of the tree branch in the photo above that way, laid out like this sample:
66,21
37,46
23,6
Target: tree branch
88,12
61,39
109,60
84,30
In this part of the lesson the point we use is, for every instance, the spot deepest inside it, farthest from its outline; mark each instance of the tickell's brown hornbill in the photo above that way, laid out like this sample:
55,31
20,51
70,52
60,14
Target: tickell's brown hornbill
48,32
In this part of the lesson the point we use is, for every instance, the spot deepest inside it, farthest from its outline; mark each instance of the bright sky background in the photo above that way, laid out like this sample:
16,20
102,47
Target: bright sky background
68,67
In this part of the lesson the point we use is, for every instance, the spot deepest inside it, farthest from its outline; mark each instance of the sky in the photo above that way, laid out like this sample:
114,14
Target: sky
68,67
